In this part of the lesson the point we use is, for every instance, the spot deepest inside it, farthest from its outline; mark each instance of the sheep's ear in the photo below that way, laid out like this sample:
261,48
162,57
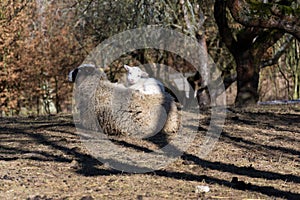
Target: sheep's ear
145,75
127,67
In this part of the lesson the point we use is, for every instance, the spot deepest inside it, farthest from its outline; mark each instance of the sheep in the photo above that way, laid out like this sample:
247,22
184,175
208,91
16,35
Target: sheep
139,80
118,110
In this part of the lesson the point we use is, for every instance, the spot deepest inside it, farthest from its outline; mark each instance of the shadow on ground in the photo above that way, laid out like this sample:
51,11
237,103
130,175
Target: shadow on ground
54,139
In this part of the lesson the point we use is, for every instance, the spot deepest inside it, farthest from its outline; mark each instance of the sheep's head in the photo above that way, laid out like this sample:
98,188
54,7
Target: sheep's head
81,72
134,74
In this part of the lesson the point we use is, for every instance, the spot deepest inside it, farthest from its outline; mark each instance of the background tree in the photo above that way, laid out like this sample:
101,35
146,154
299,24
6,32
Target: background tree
280,14
41,41
38,49
249,44
13,23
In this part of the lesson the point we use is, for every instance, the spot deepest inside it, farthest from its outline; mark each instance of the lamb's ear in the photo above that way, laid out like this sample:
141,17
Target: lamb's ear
145,75
127,67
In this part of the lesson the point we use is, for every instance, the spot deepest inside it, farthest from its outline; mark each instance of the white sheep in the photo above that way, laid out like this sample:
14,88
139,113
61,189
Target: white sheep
114,109
117,110
139,80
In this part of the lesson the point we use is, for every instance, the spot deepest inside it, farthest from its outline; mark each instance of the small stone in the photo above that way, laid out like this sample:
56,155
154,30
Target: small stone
74,164
202,189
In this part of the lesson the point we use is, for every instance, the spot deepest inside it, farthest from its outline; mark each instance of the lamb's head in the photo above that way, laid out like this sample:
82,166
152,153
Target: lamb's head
134,74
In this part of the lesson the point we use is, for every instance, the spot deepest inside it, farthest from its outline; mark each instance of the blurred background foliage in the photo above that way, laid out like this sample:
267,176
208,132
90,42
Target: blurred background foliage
42,40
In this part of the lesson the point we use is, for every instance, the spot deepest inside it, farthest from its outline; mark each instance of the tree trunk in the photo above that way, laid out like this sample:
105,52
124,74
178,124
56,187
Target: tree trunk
203,96
247,79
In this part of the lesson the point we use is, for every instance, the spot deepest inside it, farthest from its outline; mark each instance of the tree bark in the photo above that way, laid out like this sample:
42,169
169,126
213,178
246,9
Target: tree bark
247,48
204,97
241,49
247,79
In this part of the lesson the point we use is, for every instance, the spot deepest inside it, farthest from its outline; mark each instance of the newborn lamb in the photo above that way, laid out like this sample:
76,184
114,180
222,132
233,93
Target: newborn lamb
139,80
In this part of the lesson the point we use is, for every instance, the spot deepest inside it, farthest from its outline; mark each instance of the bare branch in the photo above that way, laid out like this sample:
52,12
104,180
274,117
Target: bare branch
266,15
266,39
278,54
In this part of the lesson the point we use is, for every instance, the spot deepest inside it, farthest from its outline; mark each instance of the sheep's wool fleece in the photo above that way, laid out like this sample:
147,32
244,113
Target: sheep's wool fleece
117,110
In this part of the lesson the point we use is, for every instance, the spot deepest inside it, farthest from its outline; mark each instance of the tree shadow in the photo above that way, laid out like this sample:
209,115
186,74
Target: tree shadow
243,143
267,190
89,166
31,134
269,120
246,171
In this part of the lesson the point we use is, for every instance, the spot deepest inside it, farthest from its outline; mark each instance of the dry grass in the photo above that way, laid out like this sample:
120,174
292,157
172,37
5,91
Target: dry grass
256,157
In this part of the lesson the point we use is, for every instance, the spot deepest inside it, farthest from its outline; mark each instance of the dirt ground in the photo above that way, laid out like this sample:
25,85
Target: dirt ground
256,157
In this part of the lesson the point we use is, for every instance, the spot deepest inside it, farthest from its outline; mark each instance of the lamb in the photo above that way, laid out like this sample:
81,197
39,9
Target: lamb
139,80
